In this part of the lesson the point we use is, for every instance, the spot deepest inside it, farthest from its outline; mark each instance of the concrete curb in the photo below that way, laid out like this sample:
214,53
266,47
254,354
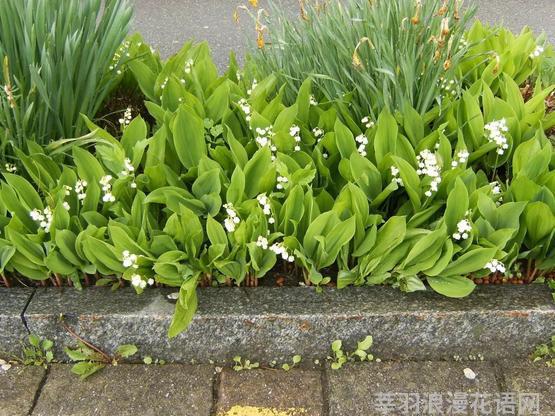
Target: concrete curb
275,323
12,327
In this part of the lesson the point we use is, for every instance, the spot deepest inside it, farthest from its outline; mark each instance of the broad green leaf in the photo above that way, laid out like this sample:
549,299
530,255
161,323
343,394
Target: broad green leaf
385,141
457,205
188,137
185,308
470,261
451,286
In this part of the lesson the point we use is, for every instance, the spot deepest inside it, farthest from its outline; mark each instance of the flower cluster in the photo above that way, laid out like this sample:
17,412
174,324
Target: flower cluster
44,218
128,169
127,117
295,133
362,141
428,166
396,178
79,189
246,108
496,192
312,100
448,87
138,281
164,83
264,202
463,230
460,159
537,52
107,188
496,133
495,266
367,122
253,86
230,223
129,259
262,242
122,50
282,181
264,138
281,250
188,65
463,44
10,168
318,133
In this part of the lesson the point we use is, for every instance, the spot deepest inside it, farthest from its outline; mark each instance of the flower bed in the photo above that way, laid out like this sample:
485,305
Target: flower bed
226,179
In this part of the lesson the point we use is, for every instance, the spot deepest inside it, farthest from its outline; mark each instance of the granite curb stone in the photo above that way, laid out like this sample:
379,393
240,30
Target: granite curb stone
18,387
295,392
12,328
276,323
128,390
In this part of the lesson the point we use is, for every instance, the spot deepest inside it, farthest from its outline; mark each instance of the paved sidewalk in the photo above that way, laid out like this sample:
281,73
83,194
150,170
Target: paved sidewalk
387,388
167,24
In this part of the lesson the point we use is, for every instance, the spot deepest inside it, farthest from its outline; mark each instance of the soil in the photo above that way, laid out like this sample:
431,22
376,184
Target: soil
113,109
283,275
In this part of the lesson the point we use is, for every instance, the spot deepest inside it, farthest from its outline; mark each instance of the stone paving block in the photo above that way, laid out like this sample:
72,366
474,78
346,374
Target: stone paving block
12,329
129,390
270,392
18,387
530,381
410,388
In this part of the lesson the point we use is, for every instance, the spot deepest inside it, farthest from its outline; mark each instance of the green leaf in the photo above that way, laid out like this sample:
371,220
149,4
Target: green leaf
451,286
188,137
88,167
366,343
539,221
471,119
77,354
259,173
185,308
469,262
344,140
215,231
86,369
127,350
390,235
34,340
426,247
25,190
218,102
385,141
236,188
457,205
411,284
145,78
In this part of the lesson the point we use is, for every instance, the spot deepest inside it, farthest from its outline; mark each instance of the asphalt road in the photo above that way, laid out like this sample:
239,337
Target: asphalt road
166,24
